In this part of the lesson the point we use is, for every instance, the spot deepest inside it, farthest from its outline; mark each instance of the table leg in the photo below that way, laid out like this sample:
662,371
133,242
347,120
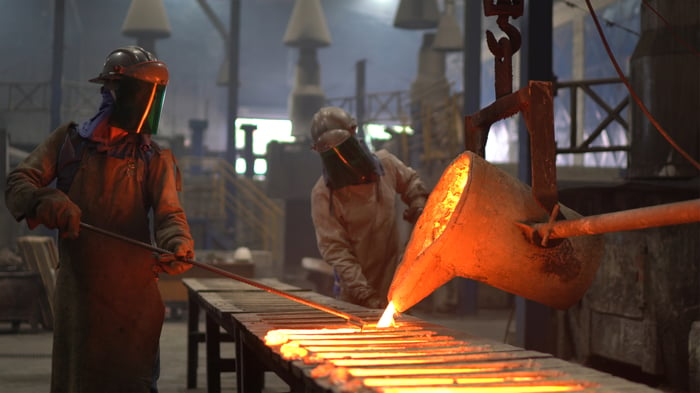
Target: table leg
194,337
252,371
213,340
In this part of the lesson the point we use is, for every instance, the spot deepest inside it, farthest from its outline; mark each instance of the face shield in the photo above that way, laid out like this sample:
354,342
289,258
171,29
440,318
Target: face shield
346,161
139,96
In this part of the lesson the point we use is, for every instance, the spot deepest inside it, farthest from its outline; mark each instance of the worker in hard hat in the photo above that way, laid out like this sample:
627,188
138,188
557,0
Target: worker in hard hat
108,311
353,207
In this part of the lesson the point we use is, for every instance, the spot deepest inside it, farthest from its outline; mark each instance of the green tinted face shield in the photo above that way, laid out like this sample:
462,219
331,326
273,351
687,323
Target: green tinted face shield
138,105
348,163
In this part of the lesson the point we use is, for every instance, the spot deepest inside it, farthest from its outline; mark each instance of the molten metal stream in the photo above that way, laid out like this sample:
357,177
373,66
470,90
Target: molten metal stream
349,317
387,318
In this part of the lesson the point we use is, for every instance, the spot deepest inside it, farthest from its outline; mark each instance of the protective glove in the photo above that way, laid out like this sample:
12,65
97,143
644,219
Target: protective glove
54,209
375,301
173,263
368,297
412,213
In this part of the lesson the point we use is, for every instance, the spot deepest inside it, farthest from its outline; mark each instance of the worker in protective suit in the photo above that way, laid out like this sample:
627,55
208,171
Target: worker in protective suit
353,207
108,312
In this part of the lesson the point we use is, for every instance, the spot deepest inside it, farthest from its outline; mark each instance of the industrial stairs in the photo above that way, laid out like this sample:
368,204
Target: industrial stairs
227,210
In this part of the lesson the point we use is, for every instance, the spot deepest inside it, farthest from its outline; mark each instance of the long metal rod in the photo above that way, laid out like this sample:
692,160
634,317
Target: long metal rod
349,317
645,217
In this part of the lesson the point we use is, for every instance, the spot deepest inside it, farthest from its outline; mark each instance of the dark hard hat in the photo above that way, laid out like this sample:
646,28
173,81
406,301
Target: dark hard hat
135,62
331,118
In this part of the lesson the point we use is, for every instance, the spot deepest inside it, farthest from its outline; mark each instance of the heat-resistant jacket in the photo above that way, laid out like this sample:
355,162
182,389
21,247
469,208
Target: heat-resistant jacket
357,233
108,312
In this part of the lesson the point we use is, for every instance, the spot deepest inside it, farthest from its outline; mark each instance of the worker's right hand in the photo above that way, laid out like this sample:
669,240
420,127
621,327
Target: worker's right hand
55,210
414,211
170,264
182,249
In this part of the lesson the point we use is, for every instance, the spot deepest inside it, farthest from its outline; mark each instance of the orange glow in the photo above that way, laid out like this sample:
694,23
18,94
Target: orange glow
485,389
293,351
353,358
482,368
339,375
420,360
381,341
387,319
419,273
281,336
505,367
358,353
385,347
442,381
449,198
387,334
322,370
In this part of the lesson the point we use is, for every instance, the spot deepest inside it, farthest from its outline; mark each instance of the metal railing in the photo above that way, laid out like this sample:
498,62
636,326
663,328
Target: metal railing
577,142
387,107
441,132
24,96
78,98
391,106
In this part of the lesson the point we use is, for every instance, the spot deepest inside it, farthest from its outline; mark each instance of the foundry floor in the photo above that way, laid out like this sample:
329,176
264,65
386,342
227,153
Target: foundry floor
25,356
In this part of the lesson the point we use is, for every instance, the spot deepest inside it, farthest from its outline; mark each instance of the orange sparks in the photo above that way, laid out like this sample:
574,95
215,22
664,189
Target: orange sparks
293,351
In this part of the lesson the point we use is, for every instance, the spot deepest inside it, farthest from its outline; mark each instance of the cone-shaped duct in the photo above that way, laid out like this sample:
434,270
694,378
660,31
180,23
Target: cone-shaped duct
469,228
222,77
448,37
431,82
417,14
307,26
146,18
307,96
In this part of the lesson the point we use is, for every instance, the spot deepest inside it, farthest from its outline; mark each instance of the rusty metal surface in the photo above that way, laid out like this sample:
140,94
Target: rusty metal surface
504,49
535,102
644,217
468,229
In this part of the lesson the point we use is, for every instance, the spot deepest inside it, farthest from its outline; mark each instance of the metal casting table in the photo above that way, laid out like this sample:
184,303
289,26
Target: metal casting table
201,297
461,361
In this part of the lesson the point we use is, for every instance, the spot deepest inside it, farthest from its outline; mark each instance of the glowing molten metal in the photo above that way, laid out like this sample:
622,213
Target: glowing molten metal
470,228
408,358
387,319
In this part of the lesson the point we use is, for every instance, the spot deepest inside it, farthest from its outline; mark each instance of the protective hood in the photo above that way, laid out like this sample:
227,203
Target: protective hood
348,162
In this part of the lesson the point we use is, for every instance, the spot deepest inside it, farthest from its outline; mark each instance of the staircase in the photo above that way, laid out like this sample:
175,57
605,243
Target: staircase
227,210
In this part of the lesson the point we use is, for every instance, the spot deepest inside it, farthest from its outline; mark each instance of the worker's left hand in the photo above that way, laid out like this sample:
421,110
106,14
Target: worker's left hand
169,263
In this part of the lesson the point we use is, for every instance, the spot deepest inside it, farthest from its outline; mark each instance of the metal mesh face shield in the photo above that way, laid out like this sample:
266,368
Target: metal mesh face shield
349,163
138,105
